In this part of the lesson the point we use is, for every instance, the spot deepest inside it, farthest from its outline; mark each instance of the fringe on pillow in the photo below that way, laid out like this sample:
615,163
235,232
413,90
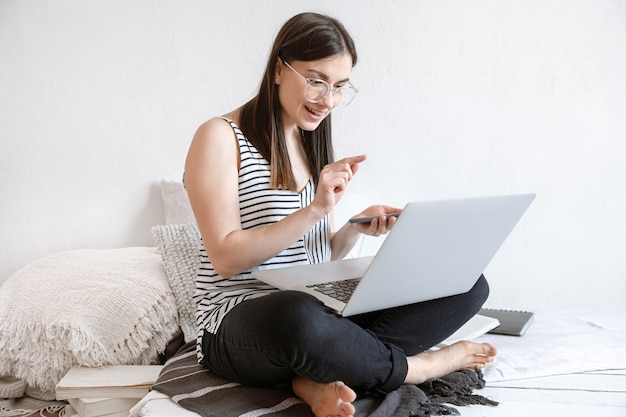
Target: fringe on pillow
7,410
41,353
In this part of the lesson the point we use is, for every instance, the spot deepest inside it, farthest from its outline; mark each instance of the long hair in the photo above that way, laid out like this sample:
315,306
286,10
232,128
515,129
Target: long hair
304,37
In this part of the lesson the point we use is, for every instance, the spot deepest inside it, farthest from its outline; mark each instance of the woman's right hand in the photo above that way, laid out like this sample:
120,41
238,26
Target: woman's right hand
334,180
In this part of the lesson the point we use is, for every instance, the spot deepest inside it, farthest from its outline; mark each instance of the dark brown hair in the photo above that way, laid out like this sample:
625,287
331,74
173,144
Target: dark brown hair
304,37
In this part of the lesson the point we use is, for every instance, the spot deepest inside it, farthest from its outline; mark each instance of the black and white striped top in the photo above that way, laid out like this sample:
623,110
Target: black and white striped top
259,205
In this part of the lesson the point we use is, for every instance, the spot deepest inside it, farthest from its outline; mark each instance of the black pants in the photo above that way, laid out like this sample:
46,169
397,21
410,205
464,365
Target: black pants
269,340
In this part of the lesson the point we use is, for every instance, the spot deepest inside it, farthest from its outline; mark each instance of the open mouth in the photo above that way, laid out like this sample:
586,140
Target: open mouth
313,112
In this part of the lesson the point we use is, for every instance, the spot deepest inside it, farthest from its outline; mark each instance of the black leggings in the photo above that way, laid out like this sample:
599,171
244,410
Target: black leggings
268,340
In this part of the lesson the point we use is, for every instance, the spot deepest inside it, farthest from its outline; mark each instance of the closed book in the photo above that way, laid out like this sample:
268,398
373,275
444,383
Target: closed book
118,414
474,328
512,322
97,407
111,381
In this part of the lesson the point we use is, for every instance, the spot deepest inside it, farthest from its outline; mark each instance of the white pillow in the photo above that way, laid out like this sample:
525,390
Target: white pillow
176,203
89,307
180,250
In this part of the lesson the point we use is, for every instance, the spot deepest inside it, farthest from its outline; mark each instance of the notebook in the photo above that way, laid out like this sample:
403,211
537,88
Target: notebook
512,322
436,249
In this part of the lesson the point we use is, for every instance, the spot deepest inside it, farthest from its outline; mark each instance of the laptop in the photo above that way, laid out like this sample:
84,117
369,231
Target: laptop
436,249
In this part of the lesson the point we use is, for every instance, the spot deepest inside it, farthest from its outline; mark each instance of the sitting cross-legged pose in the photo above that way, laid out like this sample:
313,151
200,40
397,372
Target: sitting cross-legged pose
263,182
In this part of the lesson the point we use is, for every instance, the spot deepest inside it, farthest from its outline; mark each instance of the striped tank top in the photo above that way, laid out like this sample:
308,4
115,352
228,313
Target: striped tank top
259,205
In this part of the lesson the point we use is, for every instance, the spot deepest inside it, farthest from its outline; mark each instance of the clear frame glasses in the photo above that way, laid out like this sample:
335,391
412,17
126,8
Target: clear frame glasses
315,89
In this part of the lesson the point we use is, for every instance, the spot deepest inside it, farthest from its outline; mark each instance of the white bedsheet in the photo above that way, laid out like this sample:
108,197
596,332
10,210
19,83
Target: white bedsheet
560,343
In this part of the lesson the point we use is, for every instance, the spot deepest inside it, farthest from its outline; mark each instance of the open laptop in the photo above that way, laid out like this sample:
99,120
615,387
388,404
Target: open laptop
435,249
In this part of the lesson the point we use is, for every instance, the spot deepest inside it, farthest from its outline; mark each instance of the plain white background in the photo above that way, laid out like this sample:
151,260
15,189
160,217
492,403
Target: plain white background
99,101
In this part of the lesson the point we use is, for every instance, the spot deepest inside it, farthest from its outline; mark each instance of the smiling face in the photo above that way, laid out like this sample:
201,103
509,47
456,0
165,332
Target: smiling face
297,110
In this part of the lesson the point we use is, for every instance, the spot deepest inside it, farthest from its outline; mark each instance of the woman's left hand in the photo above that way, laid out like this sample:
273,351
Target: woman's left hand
381,224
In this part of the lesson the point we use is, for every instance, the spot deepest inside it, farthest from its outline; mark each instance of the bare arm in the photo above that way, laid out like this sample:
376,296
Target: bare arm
211,178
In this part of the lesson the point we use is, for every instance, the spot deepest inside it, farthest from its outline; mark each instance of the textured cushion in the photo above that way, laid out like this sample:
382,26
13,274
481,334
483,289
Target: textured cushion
89,307
180,247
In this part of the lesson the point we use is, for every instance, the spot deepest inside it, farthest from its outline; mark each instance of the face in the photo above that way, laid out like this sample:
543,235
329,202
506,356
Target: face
297,109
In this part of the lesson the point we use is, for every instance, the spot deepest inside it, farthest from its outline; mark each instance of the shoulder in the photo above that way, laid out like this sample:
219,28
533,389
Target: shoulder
215,132
215,127
218,127
213,145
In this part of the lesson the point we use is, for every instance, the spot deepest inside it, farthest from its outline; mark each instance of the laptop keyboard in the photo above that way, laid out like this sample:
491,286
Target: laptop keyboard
339,290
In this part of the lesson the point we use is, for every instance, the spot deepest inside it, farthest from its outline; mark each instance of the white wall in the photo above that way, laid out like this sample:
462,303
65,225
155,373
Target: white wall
99,100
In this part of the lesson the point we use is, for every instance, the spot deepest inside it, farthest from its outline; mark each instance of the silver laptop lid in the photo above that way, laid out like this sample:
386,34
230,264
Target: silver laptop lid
437,249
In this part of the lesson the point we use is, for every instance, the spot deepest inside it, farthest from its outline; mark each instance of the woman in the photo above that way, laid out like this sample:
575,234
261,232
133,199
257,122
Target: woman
263,183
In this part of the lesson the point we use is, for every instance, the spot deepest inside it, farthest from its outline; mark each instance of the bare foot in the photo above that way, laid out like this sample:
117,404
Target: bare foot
325,400
460,355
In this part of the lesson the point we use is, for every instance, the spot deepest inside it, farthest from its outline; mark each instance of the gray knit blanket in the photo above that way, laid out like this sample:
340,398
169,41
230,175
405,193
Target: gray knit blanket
196,388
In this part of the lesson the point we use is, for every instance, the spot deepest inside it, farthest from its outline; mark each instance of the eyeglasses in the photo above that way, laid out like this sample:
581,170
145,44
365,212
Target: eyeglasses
315,90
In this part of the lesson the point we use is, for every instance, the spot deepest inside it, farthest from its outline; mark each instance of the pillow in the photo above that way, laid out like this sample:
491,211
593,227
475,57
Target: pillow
88,307
180,246
176,203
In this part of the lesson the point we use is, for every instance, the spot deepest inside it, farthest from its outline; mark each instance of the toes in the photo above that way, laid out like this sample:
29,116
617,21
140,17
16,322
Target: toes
490,349
348,410
344,392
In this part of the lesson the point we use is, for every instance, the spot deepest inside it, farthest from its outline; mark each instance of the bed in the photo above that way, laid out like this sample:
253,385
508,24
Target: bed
552,370
133,306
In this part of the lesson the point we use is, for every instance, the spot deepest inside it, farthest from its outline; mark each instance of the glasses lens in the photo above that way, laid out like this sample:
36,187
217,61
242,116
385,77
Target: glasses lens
315,90
345,95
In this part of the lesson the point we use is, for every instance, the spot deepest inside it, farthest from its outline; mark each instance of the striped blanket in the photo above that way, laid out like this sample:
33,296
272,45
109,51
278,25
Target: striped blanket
196,388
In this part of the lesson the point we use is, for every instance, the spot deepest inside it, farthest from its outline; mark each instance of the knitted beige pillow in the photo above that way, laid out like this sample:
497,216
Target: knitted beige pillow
88,307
